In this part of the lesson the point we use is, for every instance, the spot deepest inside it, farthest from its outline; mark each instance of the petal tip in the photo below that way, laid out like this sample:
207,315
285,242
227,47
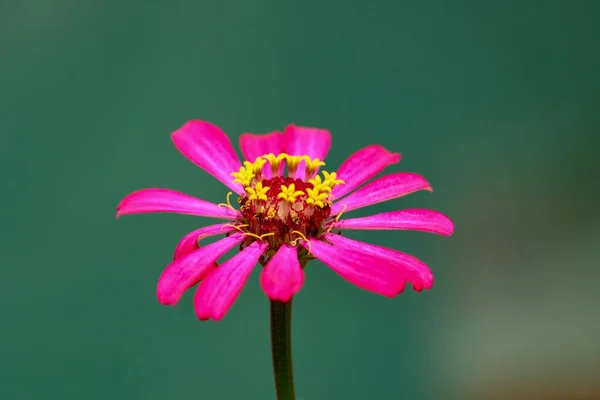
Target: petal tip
395,158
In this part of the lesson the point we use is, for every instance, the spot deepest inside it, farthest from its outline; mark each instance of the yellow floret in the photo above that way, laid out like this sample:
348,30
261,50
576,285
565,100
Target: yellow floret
331,179
289,193
316,198
258,192
312,165
244,176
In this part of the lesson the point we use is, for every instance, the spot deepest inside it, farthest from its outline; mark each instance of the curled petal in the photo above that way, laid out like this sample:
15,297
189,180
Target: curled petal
207,146
413,219
217,293
283,276
362,166
189,243
386,188
414,270
186,271
167,200
254,145
299,141
360,269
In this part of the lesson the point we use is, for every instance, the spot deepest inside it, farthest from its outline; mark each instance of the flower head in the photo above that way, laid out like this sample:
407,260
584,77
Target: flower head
288,214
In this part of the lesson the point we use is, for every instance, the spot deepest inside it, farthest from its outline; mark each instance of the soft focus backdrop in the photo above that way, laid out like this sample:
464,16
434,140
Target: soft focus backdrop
495,102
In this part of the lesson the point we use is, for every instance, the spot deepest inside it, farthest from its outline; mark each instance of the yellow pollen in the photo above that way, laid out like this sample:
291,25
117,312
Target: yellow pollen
290,193
258,192
271,212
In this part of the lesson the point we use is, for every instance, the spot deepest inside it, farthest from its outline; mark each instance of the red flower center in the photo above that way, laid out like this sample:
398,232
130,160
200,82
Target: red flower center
284,210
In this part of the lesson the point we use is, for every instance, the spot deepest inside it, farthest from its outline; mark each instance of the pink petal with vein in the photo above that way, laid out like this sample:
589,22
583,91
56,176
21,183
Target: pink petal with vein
207,146
256,145
360,269
414,270
186,271
387,187
362,166
413,219
299,141
283,276
217,293
167,200
189,243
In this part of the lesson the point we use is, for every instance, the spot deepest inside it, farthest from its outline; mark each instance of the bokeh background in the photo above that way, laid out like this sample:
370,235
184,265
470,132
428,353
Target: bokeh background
495,102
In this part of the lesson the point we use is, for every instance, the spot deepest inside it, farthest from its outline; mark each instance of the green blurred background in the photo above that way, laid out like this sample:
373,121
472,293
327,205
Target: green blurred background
495,102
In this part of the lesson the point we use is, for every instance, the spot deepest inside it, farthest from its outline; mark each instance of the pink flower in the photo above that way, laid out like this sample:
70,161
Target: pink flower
287,216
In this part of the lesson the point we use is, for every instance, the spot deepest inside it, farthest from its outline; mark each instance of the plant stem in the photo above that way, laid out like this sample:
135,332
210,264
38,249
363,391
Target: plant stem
281,347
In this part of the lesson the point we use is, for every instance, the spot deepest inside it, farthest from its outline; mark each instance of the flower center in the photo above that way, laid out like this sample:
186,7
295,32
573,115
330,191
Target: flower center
283,209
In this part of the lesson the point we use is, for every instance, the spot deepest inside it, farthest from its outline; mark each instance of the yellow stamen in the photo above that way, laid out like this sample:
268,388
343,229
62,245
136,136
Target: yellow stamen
289,193
256,236
258,192
271,212
337,218
295,241
228,203
237,227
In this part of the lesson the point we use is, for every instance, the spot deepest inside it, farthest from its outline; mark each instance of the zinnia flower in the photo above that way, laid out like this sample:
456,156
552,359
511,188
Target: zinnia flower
288,215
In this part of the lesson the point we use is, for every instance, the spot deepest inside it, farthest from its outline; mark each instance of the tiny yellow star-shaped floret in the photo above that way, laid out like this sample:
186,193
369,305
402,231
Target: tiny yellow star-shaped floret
331,179
244,176
316,198
319,184
258,192
289,193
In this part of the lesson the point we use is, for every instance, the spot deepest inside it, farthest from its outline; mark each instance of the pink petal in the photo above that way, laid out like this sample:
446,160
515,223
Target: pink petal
186,271
414,220
167,200
299,141
387,187
217,293
362,166
255,145
189,243
283,276
207,146
362,270
415,271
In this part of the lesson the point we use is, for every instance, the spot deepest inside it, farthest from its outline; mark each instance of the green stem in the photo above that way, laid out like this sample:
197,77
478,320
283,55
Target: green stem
281,347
